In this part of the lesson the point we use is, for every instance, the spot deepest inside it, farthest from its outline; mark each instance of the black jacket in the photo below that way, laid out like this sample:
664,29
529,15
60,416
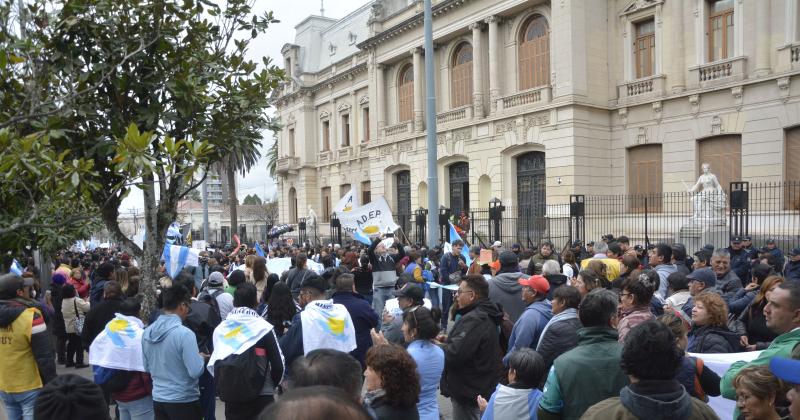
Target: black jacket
713,340
383,411
364,320
385,264
472,359
363,279
97,318
57,296
556,281
558,339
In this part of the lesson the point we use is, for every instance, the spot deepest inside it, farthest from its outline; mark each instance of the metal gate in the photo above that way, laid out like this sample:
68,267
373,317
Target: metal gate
531,196
459,188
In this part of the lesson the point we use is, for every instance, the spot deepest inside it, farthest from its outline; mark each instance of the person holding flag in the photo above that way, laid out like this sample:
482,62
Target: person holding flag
452,268
384,275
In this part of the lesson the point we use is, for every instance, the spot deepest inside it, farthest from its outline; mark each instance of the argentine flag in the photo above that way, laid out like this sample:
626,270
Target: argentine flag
16,268
362,237
176,257
453,236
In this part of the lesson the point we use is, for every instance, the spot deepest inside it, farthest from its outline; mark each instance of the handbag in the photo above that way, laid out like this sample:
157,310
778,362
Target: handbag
78,321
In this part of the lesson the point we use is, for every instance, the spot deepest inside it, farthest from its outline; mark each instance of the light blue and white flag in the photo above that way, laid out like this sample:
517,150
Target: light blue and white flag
16,268
240,330
362,237
448,246
176,257
119,345
327,325
259,250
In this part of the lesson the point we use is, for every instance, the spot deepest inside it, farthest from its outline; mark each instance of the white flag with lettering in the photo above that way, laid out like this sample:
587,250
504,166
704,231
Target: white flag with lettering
348,202
372,218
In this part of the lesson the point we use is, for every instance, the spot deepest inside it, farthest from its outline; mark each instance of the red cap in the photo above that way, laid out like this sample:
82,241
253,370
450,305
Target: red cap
536,282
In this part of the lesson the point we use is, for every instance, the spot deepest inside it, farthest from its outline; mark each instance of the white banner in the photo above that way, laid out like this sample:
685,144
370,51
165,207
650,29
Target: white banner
372,218
348,202
720,363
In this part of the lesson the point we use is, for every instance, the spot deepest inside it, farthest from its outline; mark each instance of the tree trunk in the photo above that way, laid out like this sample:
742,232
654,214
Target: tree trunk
232,200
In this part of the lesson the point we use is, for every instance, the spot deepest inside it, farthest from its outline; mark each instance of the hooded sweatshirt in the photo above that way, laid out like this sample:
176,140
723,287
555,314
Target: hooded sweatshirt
652,400
664,270
172,358
504,289
510,402
25,347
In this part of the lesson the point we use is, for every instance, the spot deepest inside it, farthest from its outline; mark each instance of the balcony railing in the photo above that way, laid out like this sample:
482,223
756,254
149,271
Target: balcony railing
397,129
729,68
284,164
646,86
530,96
453,115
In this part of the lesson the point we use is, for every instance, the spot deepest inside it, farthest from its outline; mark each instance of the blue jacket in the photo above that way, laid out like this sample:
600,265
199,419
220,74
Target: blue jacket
364,319
792,271
292,342
449,265
509,402
96,292
173,360
529,327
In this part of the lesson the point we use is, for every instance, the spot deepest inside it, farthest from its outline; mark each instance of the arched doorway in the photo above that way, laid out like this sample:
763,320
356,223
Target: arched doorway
292,205
459,187
403,189
531,196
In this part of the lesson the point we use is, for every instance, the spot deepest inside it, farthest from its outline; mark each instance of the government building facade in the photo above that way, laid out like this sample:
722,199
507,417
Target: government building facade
538,100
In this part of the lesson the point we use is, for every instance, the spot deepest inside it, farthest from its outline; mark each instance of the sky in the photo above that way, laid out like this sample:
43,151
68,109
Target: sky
290,13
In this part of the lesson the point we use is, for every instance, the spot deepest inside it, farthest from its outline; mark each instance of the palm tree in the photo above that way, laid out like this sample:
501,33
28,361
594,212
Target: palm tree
272,157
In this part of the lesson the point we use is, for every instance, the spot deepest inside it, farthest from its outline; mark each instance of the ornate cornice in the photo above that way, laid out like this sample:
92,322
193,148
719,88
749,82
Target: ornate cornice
326,83
409,24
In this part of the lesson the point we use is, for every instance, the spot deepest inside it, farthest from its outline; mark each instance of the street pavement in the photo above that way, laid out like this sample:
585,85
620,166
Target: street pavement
444,404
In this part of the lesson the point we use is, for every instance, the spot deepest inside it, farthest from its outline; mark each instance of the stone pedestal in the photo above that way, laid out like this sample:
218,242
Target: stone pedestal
694,236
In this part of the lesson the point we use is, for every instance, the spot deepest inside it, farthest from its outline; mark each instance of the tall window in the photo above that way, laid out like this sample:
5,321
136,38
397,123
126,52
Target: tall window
326,136
724,154
346,130
405,93
288,67
291,142
792,189
644,48
365,121
534,53
326,204
366,195
645,176
720,30
461,76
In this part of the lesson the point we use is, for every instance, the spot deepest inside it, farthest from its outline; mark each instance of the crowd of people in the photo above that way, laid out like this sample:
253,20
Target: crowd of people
602,330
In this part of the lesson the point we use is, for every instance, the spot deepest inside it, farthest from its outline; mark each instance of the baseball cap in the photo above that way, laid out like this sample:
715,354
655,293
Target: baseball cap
590,243
786,369
770,241
577,242
411,291
794,252
216,279
536,282
705,275
497,244
736,239
515,246
747,238
508,258
314,282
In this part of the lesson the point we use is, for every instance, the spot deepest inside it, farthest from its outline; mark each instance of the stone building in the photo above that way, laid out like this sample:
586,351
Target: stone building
537,100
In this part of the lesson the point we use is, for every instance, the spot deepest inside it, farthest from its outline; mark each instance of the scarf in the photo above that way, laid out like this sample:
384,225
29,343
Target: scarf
327,325
569,313
119,345
240,330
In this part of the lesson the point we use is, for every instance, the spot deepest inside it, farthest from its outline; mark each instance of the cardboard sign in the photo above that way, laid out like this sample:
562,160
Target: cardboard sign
486,257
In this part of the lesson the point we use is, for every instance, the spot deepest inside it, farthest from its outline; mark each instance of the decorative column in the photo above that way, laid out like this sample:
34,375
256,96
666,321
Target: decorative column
763,48
494,62
380,93
676,78
419,72
477,69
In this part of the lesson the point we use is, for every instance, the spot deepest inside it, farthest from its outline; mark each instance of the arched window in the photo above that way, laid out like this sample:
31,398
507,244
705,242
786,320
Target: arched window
534,53
461,76
405,93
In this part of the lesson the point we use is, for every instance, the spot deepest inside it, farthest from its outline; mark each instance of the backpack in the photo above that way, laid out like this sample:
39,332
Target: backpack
111,380
240,377
211,300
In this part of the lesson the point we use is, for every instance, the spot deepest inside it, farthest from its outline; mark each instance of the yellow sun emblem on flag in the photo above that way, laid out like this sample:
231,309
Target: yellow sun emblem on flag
336,325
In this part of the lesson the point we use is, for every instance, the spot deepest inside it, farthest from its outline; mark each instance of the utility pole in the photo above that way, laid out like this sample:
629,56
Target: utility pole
430,125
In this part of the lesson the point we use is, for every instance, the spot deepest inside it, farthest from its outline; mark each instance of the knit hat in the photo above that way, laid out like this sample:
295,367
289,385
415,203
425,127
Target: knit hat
508,258
59,278
216,279
69,397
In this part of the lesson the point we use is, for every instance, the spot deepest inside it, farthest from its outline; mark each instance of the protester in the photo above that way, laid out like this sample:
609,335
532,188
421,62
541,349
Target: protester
700,280
314,403
100,313
420,328
612,266
172,358
26,348
757,391
408,296
552,272
651,359
752,324
328,367
699,381
590,372
281,308
586,282
634,301
78,280
739,259
236,278
629,264
363,278
72,310
504,287
103,275
298,274
792,268
537,261
451,269
260,274
727,281
520,398
117,360
57,326
561,332
677,291
529,327
245,392
321,324
69,397
364,318
384,275
660,258
788,370
679,259
601,271
216,296
710,333
782,314
472,351
570,267
392,383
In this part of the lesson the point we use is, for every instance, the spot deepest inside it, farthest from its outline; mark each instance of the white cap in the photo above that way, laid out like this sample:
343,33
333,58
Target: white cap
497,244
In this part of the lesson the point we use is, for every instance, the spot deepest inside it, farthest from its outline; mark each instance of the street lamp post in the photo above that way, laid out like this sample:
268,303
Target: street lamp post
430,123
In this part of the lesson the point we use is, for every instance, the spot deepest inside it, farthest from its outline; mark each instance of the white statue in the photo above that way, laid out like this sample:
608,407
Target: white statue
708,198
311,221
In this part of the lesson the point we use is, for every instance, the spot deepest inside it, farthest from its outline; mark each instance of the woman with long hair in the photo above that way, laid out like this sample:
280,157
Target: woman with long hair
280,308
751,326
260,273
